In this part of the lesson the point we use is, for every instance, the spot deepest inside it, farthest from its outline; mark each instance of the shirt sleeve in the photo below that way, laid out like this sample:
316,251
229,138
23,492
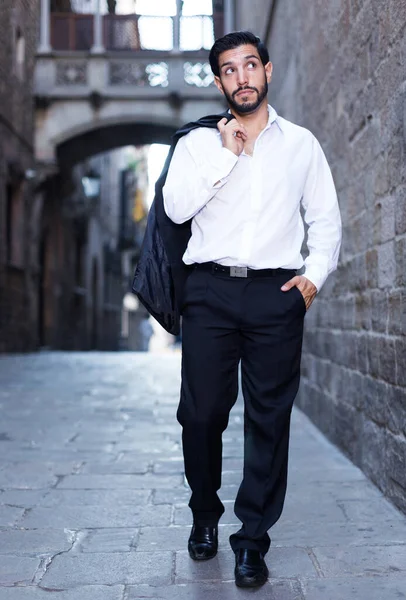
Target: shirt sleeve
197,171
322,215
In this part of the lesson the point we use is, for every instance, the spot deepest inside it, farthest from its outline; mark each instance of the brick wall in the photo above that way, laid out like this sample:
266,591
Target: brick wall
18,18
340,70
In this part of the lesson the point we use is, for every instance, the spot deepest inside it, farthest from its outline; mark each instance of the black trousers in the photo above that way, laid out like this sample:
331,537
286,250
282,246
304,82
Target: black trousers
227,320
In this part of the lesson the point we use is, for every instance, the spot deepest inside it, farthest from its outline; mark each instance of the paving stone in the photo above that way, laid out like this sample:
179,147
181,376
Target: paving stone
300,457
105,498
22,498
228,493
89,592
39,542
361,510
309,474
317,533
109,540
231,449
312,474
177,495
17,570
30,480
283,563
299,508
233,464
168,466
233,478
35,475
168,447
273,590
119,467
85,516
361,560
152,539
113,482
354,490
109,569
362,588
59,453
10,515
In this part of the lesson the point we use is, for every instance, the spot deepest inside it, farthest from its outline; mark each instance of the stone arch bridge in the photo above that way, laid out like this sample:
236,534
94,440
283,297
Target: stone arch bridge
88,104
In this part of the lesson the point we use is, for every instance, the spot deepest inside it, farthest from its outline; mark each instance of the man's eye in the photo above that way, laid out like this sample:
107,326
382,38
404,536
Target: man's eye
252,64
228,71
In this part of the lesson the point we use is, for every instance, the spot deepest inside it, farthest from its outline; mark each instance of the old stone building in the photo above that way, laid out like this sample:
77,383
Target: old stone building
86,227
18,205
340,70
64,226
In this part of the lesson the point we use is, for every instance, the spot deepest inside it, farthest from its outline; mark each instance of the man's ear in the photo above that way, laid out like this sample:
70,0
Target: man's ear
268,71
217,81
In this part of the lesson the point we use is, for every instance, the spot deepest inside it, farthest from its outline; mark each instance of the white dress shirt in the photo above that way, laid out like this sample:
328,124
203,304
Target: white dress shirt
245,210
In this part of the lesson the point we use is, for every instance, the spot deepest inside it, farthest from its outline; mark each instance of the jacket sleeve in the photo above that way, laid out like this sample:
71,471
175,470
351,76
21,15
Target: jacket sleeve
199,167
322,215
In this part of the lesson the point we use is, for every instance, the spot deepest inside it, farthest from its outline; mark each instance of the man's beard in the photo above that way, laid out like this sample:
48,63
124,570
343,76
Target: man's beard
247,107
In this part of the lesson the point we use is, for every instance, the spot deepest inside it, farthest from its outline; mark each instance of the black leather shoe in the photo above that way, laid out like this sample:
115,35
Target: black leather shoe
203,542
250,568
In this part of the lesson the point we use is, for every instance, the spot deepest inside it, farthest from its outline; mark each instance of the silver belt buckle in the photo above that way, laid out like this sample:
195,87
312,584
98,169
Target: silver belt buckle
238,272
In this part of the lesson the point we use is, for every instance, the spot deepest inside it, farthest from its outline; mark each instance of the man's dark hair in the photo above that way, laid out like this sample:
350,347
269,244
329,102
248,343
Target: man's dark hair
234,40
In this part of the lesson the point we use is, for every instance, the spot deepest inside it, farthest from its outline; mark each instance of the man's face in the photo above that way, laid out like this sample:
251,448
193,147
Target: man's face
243,78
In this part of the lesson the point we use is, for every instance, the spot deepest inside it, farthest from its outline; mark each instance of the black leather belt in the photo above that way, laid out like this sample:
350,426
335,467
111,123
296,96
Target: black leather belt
242,271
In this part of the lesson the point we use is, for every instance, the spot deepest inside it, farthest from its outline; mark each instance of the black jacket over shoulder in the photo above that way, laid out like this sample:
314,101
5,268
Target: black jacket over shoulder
160,273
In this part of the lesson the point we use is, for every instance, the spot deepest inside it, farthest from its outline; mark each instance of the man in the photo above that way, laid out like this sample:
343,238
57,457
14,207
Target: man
243,186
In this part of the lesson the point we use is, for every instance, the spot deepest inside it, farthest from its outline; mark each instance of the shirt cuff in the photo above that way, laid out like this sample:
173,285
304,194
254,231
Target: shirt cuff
225,161
315,276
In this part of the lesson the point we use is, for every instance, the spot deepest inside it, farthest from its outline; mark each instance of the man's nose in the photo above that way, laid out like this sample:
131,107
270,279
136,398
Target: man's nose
241,77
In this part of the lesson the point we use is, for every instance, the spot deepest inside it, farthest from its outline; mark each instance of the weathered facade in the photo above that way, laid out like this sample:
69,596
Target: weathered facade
19,207
339,70
80,259
61,276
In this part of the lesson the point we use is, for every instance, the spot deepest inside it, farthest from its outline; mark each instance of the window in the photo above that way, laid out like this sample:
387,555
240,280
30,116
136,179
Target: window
196,25
156,24
196,32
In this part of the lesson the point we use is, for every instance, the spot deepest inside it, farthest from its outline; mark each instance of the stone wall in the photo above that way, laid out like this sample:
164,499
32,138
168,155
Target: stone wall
340,70
18,39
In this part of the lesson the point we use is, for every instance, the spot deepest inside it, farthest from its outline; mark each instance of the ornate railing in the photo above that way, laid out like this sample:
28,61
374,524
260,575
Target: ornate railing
127,74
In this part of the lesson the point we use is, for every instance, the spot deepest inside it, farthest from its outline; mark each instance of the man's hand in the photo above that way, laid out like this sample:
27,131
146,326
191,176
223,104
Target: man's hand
305,287
233,135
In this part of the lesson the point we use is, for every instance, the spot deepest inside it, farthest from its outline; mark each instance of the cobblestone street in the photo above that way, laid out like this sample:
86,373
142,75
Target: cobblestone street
93,500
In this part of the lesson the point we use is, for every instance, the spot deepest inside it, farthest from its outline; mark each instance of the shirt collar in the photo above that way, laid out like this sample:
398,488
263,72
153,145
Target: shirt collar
272,117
